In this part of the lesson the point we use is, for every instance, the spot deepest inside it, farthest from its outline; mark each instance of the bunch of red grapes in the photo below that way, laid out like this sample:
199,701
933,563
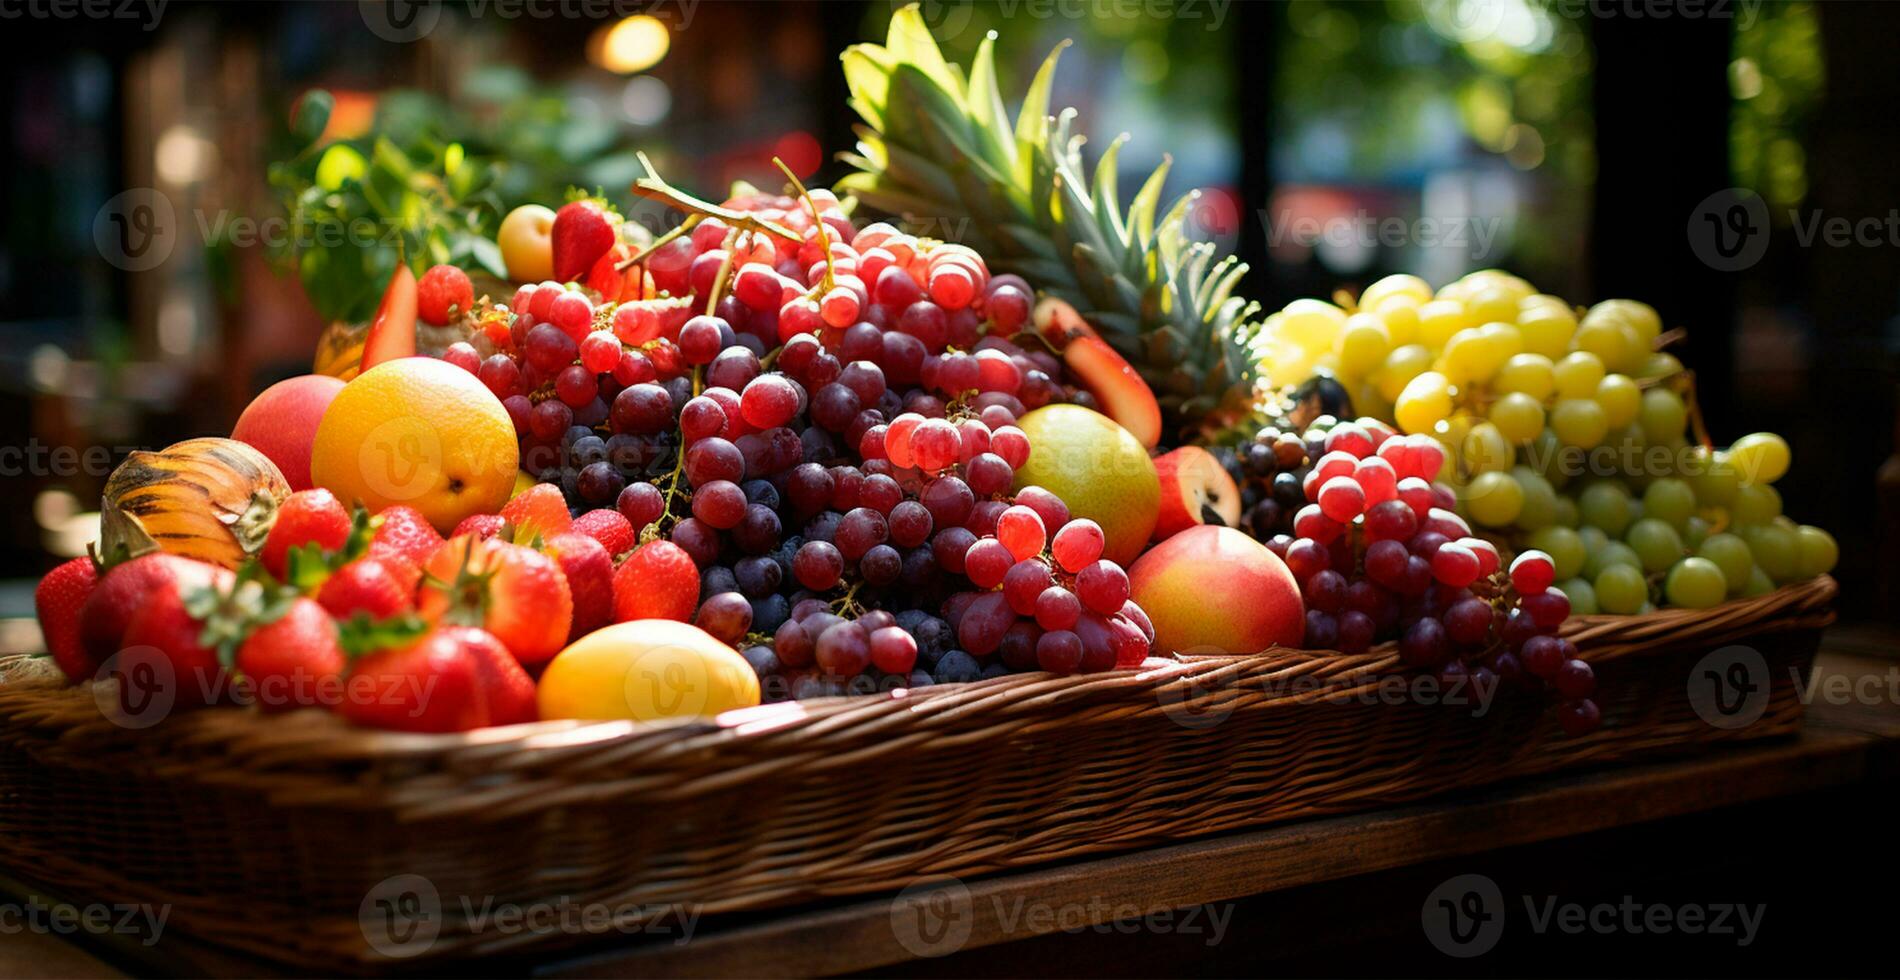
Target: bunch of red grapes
834,446
1379,554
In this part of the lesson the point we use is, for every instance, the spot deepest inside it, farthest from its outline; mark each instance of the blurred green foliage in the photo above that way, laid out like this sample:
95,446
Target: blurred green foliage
1777,78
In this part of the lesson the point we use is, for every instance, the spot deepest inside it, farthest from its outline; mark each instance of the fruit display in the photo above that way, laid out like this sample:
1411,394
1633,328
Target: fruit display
789,449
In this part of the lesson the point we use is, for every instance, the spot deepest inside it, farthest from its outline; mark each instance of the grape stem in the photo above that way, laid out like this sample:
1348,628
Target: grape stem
847,604
818,225
718,290
652,187
692,221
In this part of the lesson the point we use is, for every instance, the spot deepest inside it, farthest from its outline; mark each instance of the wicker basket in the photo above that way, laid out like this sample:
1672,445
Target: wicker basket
279,836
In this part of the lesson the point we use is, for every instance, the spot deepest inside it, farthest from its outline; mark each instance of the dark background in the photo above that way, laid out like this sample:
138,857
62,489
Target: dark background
1623,121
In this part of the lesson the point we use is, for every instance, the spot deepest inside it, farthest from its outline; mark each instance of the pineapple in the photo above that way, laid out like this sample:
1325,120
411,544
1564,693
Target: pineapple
936,144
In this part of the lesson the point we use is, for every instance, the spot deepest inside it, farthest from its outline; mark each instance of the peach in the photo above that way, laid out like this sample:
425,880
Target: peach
281,423
1213,589
1195,489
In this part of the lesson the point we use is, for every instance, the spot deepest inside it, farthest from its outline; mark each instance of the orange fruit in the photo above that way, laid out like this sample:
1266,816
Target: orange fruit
420,432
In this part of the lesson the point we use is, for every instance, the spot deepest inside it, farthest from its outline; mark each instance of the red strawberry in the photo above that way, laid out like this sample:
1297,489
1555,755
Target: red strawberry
307,517
57,600
381,587
119,595
186,623
590,580
507,691
516,593
606,278
294,660
405,533
609,527
541,510
483,526
442,294
657,581
428,683
582,233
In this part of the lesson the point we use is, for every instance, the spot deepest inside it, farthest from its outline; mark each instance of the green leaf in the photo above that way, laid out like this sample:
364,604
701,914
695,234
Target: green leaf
312,116
488,255
911,45
340,162
1032,118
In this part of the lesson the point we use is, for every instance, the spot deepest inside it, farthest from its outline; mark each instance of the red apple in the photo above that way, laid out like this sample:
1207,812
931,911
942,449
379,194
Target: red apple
1117,387
1213,589
392,333
1195,489
282,422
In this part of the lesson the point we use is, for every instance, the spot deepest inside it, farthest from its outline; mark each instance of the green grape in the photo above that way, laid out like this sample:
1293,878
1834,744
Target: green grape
1579,422
1565,548
1425,402
1669,499
1493,499
1656,543
1815,552
1758,583
1518,416
1578,375
1613,342
1545,454
1527,374
1713,479
1486,450
1621,589
1582,595
1731,555
1776,549
1620,398
1567,512
1606,505
1755,504
1637,510
1613,553
1695,530
1547,329
1401,366
1593,538
1363,345
1695,583
1540,501
1662,415
1759,458
1659,365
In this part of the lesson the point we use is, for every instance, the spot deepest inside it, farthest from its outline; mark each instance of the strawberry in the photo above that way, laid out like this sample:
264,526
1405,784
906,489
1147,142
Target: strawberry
516,593
583,232
412,680
293,660
657,581
609,527
120,594
538,510
589,570
307,517
507,691
443,294
57,600
403,531
606,277
381,587
193,625
483,526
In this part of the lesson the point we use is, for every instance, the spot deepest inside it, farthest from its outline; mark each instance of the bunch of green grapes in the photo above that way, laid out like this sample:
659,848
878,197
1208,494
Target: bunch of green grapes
1564,433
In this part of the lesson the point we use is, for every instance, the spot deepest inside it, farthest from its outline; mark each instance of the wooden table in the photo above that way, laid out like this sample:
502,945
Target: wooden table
1799,826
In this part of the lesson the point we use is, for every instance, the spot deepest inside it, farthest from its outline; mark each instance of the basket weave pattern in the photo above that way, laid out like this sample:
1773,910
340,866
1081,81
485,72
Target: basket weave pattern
266,834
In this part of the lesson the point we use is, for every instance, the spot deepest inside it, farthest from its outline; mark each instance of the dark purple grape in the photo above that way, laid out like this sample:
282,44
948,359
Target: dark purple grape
817,565
726,616
881,565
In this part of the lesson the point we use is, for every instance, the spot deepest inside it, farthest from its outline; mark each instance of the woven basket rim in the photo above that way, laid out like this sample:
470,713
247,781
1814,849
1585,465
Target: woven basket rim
314,735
